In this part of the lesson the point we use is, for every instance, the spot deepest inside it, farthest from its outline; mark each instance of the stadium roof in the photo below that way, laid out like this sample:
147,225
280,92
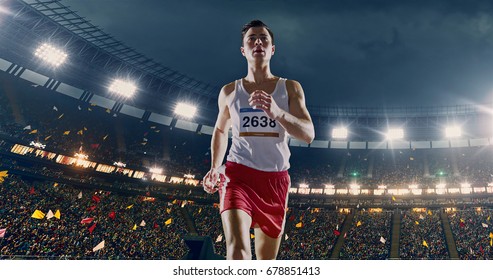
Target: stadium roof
93,52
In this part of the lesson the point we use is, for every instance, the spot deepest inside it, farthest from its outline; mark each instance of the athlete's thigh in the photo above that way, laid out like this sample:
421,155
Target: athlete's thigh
236,226
266,247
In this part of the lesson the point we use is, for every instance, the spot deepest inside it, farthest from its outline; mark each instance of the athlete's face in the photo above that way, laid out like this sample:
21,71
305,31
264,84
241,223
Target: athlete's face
257,44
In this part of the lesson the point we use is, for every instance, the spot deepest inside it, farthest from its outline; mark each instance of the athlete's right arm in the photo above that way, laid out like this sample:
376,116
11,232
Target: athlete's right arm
219,142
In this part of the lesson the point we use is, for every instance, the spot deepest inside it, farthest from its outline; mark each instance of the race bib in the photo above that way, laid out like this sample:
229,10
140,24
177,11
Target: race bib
254,122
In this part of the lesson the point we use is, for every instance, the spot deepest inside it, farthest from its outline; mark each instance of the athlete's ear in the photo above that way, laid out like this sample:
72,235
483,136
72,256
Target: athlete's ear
273,49
242,50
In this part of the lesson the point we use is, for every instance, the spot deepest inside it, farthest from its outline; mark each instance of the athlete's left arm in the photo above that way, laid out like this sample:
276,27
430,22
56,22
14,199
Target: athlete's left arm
297,121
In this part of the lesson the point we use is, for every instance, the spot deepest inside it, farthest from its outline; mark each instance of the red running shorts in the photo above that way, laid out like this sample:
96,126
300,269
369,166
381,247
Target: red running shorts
262,195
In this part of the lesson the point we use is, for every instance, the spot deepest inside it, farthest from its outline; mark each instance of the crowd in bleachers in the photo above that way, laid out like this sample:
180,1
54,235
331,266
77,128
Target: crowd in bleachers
311,234
155,229
397,168
318,172
473,233
422,236
369,237
475,166
208,222
356,164
138,230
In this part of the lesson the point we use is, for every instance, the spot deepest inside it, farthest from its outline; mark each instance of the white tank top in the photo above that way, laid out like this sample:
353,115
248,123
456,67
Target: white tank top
258,141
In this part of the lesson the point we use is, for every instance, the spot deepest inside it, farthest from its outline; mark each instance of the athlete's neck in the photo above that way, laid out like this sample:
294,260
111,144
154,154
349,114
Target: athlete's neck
259,75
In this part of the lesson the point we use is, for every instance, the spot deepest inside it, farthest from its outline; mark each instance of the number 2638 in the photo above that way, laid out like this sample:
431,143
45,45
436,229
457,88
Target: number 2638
256,121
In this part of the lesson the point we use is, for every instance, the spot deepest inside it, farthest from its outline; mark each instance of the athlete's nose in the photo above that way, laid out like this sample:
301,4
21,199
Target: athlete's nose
258,42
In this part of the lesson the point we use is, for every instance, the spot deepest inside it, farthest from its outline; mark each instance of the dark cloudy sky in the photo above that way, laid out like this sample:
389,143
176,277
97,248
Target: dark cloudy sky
357,53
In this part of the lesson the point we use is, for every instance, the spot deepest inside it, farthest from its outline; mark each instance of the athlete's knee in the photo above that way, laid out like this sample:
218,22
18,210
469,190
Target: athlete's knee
239,253
266,255
266,252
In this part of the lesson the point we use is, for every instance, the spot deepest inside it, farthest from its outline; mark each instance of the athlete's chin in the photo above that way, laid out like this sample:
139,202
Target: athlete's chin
258,56
259,59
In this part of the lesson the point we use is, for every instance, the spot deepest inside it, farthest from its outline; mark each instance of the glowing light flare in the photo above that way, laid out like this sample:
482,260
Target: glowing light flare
81,156
339,133
329,189
354,189
120,164
440,189
403,191
453,131
123,88
51,54
417,191
465,188
4,10
37,145
354,186
395,134
185,110
156,170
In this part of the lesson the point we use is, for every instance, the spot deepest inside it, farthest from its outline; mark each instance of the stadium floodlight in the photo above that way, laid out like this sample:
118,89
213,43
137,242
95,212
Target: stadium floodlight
413,186
403,191
354,186
156,170
304,186
119,164
354,189
50,54
416,191
440,186
395,134
37,145
465,188
329,189
380,190
453,131
81,156
185,110
123,88
4,10
339,133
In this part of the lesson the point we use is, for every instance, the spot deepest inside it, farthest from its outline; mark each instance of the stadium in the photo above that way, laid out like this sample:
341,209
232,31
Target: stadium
103,150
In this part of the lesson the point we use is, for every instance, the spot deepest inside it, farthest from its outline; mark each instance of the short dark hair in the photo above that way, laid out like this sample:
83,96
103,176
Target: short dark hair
255,23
